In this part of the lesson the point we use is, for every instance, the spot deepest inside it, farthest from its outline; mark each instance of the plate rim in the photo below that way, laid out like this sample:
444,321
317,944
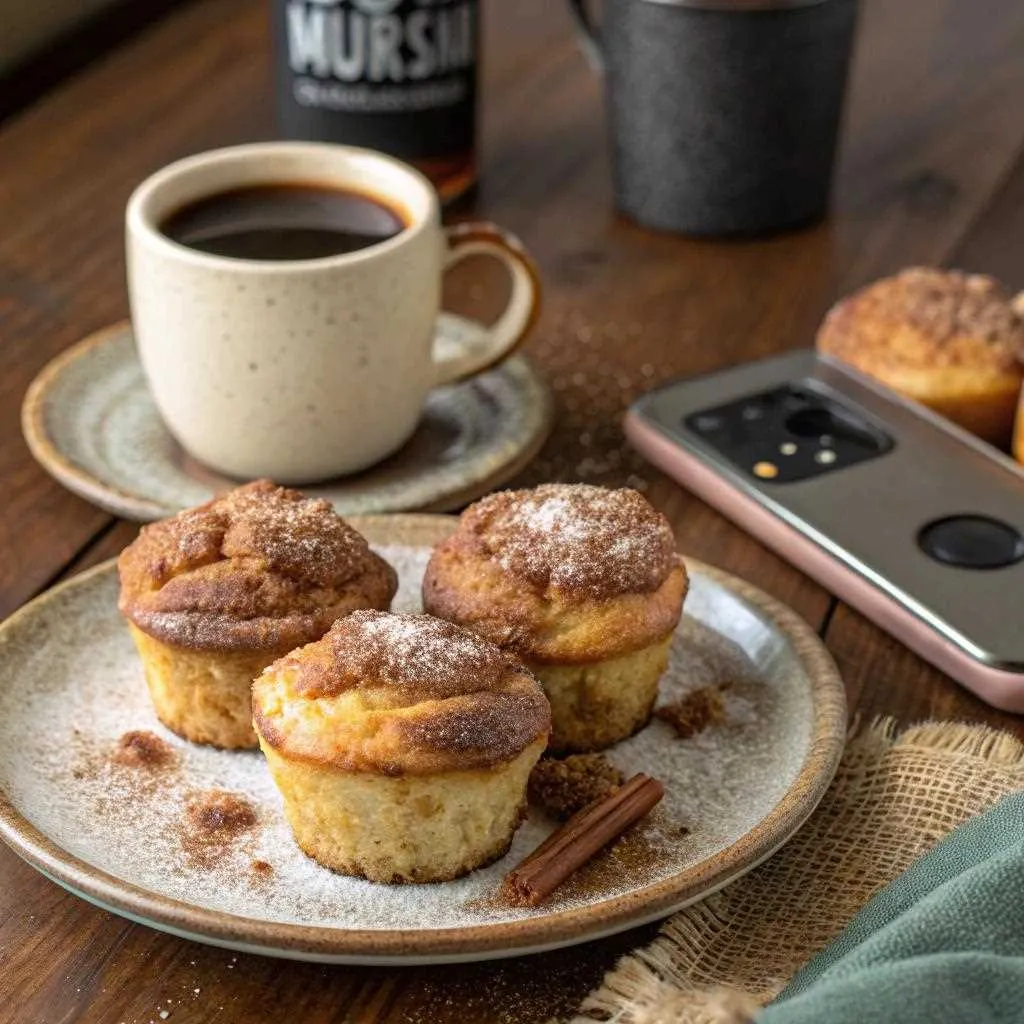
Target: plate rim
139,508
482,941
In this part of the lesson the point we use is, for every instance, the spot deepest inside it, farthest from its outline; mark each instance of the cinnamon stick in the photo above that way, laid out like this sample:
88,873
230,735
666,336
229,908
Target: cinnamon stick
581,837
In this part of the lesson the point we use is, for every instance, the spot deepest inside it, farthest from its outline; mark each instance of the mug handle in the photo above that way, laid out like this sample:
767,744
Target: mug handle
589,35
498,341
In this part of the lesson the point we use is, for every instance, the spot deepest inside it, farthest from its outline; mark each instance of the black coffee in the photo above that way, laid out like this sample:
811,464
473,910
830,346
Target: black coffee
282,222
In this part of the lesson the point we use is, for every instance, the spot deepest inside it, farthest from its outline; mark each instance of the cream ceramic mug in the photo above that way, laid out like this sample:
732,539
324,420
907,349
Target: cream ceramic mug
301,370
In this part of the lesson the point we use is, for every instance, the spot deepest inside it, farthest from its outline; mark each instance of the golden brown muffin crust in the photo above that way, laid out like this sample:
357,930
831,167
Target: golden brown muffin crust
926,318
560,573
259,568
584,542
399,694
428,657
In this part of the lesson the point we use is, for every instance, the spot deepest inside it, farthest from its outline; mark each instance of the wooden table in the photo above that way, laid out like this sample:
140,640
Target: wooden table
931,171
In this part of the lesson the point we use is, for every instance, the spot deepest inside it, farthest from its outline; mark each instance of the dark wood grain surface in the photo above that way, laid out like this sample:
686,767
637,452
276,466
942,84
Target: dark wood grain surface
931,171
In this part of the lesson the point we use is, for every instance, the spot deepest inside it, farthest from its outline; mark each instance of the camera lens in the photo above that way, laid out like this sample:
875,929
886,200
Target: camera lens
812,423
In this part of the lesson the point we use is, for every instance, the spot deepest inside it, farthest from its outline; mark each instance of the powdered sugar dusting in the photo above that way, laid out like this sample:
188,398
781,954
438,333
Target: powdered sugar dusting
416,651
71,687
576,538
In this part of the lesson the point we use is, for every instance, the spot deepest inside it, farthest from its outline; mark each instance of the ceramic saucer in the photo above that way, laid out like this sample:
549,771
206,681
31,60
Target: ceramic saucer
90,421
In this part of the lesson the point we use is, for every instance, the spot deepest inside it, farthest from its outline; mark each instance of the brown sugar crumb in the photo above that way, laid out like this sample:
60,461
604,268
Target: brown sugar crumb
695,712
140,748
212,822
563,787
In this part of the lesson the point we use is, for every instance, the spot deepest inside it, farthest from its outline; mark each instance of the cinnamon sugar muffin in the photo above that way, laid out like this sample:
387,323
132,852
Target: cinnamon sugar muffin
941,337
401,745
216,593
582,583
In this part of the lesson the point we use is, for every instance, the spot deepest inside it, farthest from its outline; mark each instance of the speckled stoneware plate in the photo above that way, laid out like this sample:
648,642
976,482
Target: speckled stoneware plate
90,421
120,836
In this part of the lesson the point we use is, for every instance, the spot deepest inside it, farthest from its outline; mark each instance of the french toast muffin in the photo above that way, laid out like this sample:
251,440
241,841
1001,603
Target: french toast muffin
216,593
946,339
583,584
401,745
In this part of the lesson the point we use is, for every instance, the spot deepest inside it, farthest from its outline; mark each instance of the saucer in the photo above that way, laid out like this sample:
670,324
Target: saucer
90,421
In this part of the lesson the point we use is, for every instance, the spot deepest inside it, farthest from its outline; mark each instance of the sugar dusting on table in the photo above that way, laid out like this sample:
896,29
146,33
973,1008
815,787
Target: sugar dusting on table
62,743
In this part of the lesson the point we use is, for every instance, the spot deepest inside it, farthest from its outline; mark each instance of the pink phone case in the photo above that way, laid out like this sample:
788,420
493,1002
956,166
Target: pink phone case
998,687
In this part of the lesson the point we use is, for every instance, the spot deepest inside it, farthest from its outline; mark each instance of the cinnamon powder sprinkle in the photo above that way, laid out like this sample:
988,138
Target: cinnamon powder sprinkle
260,874
212,822
695,712
646,851
563,787
140,748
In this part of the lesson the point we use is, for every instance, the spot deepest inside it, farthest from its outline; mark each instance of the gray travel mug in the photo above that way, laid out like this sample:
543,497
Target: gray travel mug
723,114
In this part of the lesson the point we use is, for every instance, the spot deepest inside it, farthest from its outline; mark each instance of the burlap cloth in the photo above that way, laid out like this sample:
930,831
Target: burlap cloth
893,798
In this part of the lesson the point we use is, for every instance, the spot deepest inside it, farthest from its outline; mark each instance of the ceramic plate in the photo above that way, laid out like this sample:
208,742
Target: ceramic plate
119,836
90,421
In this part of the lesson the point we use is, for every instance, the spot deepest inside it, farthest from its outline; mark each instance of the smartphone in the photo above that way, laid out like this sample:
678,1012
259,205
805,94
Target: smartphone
895,510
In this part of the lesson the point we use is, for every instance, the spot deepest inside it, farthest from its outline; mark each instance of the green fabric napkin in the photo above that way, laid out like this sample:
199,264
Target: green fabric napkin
942,944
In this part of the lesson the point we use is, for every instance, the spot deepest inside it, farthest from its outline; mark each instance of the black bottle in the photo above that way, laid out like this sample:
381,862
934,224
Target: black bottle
394,75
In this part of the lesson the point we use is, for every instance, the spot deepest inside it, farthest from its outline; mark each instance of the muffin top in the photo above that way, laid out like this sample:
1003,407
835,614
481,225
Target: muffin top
399,695
261,568
563,570
926,319
581,541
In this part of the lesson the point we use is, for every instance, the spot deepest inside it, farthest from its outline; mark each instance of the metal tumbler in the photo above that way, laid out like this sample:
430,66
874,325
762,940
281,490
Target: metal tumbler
723,114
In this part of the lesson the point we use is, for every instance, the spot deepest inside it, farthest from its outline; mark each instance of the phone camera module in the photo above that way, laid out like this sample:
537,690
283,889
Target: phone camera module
790,433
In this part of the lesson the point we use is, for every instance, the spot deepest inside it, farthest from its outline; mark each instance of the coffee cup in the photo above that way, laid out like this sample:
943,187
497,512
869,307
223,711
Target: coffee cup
285,300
